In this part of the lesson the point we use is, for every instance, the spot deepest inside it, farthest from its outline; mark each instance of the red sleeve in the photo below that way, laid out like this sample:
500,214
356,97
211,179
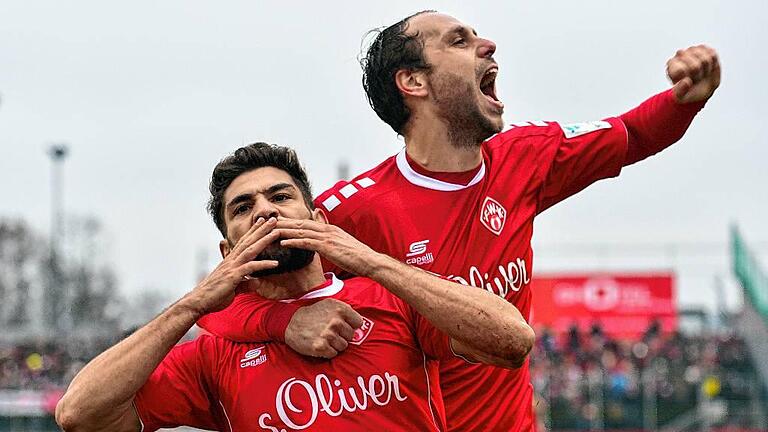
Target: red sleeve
579,155
179,393
656,124
250,318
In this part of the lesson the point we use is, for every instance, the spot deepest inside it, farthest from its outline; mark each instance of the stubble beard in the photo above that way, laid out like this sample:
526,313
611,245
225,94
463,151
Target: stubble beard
457,105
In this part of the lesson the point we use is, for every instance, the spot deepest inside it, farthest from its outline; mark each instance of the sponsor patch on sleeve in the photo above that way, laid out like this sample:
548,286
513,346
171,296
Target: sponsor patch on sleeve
572,130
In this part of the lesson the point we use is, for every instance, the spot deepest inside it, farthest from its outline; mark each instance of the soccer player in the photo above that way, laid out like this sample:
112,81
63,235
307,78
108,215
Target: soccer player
261,201
461,197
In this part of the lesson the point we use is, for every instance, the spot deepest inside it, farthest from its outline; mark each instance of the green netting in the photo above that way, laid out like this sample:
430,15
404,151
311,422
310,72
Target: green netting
748,271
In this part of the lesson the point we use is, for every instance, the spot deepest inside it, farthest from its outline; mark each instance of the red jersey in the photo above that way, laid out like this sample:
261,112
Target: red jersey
479,233
380,379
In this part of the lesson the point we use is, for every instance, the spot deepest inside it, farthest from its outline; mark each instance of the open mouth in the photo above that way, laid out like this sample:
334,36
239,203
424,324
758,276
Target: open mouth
488,86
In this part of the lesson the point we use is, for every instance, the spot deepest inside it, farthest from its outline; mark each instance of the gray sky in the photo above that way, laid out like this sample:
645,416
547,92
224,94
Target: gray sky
150,95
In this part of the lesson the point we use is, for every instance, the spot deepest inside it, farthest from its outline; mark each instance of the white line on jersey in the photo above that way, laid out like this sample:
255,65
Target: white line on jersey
346,191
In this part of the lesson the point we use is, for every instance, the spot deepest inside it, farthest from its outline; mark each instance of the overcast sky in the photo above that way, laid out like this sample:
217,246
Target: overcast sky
150,95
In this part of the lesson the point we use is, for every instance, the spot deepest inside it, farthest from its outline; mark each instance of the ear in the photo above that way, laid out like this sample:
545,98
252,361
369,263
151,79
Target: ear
411,83
319,216
224,248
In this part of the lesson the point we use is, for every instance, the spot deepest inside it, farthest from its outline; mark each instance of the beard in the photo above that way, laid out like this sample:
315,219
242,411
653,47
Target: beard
288,259
456,101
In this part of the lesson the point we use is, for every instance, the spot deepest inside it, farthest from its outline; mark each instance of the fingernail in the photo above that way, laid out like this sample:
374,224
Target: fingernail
260,220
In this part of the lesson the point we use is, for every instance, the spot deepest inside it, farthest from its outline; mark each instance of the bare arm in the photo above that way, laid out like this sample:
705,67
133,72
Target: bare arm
483,326
101,396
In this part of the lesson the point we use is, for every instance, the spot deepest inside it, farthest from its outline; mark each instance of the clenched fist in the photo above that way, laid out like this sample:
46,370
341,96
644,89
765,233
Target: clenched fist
695,73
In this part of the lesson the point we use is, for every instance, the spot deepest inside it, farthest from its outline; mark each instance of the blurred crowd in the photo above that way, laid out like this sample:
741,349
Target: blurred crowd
583,379
587,379
44,365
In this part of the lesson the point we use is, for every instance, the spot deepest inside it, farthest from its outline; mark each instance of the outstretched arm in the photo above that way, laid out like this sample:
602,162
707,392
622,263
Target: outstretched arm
663,119
484,326
100,397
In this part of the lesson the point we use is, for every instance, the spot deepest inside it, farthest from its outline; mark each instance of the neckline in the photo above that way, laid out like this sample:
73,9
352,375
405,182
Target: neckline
426,181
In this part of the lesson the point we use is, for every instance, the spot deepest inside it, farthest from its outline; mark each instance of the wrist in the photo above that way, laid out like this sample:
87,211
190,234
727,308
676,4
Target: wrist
277,318
189,305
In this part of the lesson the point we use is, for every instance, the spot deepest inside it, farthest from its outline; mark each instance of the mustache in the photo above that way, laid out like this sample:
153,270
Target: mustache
485,65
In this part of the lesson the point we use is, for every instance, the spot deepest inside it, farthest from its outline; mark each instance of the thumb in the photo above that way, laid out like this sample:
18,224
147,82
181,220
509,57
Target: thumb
354,319
682,88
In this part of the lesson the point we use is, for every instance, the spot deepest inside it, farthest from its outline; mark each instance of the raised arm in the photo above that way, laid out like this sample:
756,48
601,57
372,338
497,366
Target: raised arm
482,326
662,120
100,397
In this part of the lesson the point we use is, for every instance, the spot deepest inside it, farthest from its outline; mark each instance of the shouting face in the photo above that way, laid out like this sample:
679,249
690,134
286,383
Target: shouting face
462,77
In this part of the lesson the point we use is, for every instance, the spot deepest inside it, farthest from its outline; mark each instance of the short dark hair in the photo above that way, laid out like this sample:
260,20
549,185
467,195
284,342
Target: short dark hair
390,51
248,158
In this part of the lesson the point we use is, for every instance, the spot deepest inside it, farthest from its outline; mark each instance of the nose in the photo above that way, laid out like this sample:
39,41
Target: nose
486,48
264,208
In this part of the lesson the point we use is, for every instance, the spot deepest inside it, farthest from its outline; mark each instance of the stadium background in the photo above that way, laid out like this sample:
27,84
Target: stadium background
97,233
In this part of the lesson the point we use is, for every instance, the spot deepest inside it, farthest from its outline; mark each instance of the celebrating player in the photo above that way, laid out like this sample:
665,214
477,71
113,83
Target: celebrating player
461,197
261,198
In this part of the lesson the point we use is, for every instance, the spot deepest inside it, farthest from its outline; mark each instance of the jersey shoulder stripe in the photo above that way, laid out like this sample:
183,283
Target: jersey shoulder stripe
345,197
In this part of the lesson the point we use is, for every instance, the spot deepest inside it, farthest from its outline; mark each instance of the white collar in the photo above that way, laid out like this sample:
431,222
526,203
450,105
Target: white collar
331,290
428,182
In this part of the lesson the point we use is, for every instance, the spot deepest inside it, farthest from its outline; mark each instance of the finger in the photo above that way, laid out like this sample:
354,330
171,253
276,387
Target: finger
702,62
705,59
308,244
338,343
255,234
241,244
346,331
252,251
683,65
254,266
301,224
326,351
297,233
351,316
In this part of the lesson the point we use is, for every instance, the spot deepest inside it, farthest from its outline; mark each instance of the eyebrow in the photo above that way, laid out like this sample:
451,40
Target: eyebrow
461,30
268,191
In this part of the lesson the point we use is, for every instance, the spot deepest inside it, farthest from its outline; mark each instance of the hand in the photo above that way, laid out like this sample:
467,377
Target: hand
322,329
330,241
695,73
217,290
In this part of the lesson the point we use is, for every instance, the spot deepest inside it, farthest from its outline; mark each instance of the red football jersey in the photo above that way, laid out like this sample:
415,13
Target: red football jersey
479,234
381,379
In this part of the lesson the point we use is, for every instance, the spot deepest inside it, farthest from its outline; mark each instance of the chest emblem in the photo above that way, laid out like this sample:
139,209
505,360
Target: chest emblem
493,215
362,333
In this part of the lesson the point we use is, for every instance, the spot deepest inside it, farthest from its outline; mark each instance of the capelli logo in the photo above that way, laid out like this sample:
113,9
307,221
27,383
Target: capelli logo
254,357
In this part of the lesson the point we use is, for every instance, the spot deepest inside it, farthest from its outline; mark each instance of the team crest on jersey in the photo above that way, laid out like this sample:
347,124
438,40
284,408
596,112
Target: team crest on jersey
362,333
254,357
493,215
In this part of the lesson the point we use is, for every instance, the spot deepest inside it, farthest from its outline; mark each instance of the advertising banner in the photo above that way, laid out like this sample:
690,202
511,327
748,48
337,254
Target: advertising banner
624,305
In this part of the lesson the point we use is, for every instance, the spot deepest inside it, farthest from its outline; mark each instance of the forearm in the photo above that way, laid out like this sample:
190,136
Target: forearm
101,395
656,124
473,317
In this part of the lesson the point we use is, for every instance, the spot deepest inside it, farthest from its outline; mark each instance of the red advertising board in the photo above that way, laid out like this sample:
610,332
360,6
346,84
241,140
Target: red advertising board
624,304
